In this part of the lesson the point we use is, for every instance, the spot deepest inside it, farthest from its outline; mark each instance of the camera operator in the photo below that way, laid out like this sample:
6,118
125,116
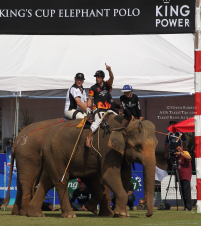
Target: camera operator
185,174
170,142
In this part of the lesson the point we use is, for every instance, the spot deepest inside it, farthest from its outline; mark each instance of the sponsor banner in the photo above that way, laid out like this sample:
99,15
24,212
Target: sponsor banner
172,191
100,17
138,181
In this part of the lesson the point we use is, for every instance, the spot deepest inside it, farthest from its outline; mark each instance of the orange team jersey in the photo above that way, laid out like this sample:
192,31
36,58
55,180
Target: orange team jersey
101,95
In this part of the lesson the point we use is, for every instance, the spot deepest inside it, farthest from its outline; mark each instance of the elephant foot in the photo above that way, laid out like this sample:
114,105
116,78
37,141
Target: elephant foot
35,213
149,214
121,214
23,212
15,210
106,212
91,207
70,214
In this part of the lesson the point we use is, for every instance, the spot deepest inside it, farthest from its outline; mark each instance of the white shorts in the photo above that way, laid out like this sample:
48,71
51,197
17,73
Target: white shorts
70,114
97,120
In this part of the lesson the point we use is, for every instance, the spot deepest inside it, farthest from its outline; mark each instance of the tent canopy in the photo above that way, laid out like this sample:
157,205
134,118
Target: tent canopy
186,126
46,65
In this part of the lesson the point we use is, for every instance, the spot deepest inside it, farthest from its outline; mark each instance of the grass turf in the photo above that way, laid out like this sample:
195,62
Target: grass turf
137,217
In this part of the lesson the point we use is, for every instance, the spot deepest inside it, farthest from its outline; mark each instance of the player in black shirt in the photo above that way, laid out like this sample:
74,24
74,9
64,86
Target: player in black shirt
100,92
114,106
82,195
130,105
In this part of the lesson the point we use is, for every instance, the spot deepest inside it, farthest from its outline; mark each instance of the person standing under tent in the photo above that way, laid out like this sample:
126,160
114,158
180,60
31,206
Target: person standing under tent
100,92
130,105
76,100
170,143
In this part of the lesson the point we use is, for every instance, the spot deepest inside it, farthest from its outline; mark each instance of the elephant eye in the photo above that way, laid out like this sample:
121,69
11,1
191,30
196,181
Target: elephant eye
138,147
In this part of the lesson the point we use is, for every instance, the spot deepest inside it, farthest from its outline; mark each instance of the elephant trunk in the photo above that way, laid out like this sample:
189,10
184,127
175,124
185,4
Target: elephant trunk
149,162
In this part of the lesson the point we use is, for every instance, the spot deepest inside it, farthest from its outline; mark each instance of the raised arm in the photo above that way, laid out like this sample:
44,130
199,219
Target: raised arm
110,81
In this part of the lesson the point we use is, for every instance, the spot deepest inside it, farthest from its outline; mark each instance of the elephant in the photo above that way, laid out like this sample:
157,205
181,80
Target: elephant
27,152
135,143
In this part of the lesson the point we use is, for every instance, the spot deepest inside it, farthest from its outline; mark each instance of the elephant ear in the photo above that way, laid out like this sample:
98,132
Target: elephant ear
117,140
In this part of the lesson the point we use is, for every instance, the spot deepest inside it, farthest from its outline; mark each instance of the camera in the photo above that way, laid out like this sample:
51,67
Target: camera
172,156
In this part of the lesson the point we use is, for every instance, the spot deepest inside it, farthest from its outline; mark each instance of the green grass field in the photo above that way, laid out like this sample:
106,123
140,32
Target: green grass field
137,217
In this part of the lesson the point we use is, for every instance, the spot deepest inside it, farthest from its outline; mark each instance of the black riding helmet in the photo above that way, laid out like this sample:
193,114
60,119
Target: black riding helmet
100,73
80,76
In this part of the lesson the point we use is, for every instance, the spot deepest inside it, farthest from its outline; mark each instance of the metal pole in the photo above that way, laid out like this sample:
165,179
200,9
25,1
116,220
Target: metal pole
4,183
17,114
54,203
197,100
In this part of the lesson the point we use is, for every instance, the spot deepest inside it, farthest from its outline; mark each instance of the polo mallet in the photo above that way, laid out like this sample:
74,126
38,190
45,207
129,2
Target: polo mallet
179,138
85,119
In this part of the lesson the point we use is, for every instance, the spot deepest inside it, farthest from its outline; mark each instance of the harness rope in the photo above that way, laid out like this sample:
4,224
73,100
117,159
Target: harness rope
166,134
36,130
85,119
99,133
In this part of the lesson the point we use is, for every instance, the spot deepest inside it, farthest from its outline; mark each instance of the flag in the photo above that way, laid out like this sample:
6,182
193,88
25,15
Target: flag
160,174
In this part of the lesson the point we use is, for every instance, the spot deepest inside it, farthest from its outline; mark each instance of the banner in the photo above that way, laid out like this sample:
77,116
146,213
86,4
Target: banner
172,190
89,17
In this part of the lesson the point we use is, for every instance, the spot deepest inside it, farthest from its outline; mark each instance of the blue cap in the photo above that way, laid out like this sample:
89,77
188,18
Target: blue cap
126,88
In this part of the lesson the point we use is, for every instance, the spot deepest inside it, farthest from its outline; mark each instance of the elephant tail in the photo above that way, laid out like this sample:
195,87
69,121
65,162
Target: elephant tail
7,199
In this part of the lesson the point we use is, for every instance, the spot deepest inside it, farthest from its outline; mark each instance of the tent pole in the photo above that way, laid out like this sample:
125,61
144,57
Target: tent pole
197,104
17,114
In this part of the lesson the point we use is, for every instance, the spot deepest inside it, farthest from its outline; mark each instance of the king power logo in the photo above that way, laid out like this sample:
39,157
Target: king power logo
168,15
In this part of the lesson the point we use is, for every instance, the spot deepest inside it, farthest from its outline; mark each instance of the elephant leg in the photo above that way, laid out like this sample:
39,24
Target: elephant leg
35,206
96,189
105,209
149,162
112,178
17,204
126,175
64,200
27,175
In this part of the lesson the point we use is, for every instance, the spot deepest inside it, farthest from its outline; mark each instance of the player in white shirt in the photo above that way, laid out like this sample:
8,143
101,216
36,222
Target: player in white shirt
76,100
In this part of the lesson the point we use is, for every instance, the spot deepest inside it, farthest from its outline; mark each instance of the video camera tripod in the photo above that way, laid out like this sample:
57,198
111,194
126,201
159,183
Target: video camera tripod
175,172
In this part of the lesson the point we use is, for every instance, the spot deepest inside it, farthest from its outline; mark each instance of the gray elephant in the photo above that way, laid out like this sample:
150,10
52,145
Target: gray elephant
27,152
136,143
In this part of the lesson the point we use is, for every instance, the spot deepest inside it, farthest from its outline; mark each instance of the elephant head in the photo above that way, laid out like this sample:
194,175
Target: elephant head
138,143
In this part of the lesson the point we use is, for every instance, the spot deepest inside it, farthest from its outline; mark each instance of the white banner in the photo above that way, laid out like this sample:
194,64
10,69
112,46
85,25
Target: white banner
172,191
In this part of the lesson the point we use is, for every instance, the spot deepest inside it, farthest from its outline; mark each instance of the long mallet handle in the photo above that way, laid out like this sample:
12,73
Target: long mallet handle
179,138
85,119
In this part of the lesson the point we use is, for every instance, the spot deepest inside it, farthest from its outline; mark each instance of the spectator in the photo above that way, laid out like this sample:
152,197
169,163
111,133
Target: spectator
47,206
170,143
8,144
82,195
131,198
185,174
